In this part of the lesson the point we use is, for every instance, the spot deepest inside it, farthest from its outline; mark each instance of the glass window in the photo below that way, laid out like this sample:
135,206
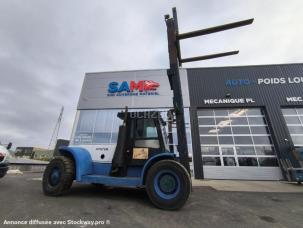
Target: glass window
103,126
243,140
208,140
208,130
83,138
295,129
114,137
239,133
229,161
265,150
222,122
227,150
146,128
261,140
297,140
104,121
206,121
294,124
151,132
247,161
292,120
256,120
271,162
289,111
253,112
211,161
241,130
226,140
238,121
259,130
210,150
245,150
86,121
300,111
103,137
237,112
221,112
205,113
224,130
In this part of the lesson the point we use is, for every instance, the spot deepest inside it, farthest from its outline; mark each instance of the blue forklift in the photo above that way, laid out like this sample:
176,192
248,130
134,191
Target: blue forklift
141,160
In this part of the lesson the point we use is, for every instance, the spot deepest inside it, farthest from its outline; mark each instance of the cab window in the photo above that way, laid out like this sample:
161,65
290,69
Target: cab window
146,134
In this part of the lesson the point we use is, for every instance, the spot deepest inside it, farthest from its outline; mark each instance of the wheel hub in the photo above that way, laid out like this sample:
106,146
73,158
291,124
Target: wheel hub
55,176
167,183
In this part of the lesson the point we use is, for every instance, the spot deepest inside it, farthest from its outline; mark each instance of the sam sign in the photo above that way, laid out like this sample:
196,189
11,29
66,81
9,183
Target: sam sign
133,88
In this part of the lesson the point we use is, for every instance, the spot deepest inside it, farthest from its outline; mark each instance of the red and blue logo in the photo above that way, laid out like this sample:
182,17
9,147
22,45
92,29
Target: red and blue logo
132,88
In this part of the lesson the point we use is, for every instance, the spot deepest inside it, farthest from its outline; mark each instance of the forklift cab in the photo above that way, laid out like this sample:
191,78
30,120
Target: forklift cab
141,136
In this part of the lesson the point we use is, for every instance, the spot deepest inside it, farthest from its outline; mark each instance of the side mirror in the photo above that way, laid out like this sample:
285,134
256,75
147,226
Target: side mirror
9,146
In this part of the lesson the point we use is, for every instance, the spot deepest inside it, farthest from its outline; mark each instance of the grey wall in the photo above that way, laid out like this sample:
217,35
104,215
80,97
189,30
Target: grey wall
210,83
94,91
207,83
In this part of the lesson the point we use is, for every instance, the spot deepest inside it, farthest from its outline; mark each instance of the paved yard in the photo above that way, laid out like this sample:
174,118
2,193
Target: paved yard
21,199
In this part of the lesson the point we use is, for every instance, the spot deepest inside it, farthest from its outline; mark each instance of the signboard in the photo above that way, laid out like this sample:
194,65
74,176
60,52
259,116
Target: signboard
263,81
229,101
133,88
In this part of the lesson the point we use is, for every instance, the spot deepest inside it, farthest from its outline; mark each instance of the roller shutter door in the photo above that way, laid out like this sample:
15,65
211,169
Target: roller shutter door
237,144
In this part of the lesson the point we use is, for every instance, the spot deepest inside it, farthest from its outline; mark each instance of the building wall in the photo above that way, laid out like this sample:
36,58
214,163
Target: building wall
96,122
270,87
95,94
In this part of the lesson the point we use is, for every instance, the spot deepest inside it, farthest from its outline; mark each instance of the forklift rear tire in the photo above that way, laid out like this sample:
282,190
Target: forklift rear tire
168,185
2,174
58,176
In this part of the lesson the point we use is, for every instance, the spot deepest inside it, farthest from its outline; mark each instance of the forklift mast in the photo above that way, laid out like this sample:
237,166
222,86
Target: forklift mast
173,73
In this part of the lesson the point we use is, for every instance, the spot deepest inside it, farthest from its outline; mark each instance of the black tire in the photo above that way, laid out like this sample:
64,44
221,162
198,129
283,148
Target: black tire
2,174
168,185
98,186
58,176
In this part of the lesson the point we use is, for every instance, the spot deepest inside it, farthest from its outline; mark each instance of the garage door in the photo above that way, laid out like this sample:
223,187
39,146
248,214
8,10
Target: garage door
294,120
237,144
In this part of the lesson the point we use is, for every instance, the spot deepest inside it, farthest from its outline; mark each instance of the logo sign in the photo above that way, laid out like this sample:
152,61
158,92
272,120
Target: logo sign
229,101
263,81
133,88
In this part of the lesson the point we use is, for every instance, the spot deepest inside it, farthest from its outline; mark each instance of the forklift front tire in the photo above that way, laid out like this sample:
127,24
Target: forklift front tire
168,185
58,176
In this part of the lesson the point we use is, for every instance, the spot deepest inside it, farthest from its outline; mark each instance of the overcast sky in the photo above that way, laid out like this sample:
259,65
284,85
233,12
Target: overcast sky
46,46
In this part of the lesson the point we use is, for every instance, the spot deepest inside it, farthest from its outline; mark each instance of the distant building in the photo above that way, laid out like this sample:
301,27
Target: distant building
34,153
43,154
24,152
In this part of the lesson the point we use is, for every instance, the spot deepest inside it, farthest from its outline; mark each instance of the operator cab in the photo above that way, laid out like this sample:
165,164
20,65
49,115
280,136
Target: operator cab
141,136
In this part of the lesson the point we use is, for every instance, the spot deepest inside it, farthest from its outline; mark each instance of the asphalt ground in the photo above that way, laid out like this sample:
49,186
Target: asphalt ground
22,200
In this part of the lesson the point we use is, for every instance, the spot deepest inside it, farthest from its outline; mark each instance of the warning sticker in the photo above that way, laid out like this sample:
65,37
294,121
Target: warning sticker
140,153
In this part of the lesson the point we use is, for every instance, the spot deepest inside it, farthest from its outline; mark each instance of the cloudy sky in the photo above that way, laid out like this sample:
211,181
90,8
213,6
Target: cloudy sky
47,46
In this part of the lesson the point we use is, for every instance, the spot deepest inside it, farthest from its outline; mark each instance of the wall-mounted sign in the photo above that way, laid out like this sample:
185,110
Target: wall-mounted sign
229,101
132,88
263,81
294,99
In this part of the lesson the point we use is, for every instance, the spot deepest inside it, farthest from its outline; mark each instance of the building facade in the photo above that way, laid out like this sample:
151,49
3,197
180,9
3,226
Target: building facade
240,121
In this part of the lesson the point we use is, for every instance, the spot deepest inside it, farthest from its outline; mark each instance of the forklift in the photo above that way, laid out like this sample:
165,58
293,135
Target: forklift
142,158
